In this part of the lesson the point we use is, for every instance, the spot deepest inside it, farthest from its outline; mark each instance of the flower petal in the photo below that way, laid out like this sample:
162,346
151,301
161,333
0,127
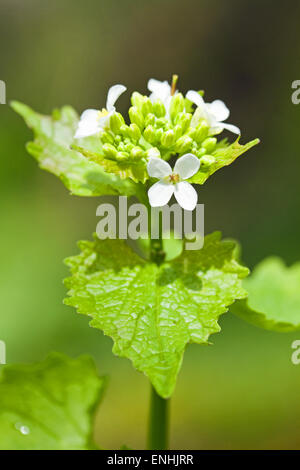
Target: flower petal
113,94
187,166
160,193
186,195
219,109
158,168
195,98
88,124
230,127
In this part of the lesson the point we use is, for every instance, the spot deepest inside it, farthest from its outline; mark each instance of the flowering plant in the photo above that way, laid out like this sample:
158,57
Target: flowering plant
152,308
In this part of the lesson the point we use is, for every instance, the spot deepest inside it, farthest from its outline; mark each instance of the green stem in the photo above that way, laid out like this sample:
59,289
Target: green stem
159,414
158,422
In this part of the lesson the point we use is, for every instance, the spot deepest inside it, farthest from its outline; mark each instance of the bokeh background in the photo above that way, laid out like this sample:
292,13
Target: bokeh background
243,391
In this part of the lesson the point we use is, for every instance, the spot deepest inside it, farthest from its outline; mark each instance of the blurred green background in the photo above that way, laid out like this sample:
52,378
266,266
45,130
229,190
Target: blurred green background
243,391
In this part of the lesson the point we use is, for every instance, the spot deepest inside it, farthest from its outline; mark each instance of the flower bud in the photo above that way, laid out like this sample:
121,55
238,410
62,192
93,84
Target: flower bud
149,120
153,152
134,132
200,152
150,134
110,151
159,109
106,138
209,144
183,144
168,139
122,157
146,106
183,120
207,160
136,117
177,131
137,100
124,130
176,106
201,131
115,122
136,153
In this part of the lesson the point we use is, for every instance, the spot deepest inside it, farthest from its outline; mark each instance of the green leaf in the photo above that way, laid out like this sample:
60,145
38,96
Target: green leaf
224,155
137,171
49,405
151,311
273,301
52,149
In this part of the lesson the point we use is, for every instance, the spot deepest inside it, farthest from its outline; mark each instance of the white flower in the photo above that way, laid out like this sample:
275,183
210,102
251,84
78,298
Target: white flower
214,113
93,121
171,181
161,91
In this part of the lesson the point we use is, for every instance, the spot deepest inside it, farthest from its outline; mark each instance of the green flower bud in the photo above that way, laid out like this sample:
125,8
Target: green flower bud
149,120
178,131
183,144
146,106
153,152
136,153
192,132
183,120
110,151
209,144
168,139
207,160
200,152
161,122
201,132
136,117
134,132
137,100
124,129
128,146
176,106
122,157
159,109
107,138
115,122
150,134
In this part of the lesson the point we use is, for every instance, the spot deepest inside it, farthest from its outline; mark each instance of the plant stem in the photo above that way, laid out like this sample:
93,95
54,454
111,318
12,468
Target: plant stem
158,429
158,422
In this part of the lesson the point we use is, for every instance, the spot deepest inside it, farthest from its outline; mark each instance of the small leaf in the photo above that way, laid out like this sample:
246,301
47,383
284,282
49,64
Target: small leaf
51,147
273,301
224,155
49,405
137,171
151,311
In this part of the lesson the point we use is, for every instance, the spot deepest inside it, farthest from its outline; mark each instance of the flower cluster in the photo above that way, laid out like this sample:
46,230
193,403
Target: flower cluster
162,125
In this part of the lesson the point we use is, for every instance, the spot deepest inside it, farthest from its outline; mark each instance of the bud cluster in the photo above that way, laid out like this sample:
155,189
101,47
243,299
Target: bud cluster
155,131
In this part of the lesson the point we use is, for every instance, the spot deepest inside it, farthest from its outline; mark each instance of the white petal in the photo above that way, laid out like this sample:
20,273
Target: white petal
160,193
187,166
195,98
88,124
160,90
158,168
230,127
186,195
89,115
113,94
219,109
